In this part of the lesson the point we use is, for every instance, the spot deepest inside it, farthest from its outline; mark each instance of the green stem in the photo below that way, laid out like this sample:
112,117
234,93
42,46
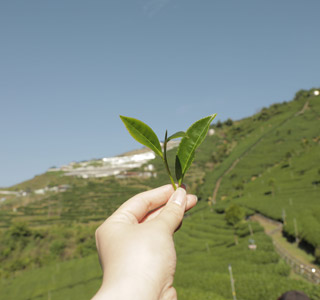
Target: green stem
166,161
169,173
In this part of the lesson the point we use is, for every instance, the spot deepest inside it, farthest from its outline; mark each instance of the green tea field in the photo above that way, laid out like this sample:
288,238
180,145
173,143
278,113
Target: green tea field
268,163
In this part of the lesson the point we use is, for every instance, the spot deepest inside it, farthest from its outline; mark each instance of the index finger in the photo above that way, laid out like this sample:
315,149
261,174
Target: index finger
137,207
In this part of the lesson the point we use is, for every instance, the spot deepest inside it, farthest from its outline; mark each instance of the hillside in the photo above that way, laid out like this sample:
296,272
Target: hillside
267,163
205,248
274,168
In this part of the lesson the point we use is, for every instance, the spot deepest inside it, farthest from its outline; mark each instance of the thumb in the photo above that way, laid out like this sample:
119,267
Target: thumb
173,211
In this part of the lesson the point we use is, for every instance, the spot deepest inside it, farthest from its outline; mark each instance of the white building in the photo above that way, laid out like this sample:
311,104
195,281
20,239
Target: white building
211,132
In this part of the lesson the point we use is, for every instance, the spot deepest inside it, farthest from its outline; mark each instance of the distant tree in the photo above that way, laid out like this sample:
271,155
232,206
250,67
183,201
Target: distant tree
19,230
219,124
301,94
264,115
234,214
18,236
229,122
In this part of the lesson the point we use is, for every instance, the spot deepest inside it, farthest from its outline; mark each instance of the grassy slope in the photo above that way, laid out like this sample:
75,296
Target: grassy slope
199,271
205,247
60,226
40,181
280,172
87,200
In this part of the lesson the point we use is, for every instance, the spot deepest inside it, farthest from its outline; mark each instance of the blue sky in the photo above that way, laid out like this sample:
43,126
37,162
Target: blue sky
69,68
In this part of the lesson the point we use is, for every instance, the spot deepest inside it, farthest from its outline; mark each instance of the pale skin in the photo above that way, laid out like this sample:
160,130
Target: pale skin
136,248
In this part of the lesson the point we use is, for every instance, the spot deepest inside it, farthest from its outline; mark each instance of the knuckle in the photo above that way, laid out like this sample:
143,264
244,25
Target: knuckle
175,212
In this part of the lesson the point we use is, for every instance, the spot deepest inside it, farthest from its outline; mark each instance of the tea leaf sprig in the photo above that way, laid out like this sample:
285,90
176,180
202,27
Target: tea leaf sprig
191,140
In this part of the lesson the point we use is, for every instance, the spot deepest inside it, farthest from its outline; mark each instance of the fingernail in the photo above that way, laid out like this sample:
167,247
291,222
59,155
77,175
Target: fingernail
179,197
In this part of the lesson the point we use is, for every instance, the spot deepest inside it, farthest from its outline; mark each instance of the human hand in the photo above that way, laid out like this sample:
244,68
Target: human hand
136,249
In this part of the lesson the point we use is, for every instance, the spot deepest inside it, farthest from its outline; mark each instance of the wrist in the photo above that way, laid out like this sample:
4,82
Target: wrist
126,290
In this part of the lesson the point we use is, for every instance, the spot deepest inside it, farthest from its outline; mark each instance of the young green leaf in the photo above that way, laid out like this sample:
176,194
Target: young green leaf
176,135
191,140
188,145
179,134
142,133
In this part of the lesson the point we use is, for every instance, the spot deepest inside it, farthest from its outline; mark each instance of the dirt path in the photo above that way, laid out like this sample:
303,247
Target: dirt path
299,261
216,188
304,108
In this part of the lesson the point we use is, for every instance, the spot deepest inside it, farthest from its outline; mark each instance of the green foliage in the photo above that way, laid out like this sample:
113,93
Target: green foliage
191,140
274,159
57,247
234,214
219,124
143,134
205,247
85,248
179,134
18,231
264,115
301,94
205,243
229,122
283,269
221,207
242,229
40,181
271,182
188,145
288,154
238,186
22,247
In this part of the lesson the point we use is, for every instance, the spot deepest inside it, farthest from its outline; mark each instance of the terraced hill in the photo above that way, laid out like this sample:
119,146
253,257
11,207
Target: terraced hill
267,163
205,248
274,167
